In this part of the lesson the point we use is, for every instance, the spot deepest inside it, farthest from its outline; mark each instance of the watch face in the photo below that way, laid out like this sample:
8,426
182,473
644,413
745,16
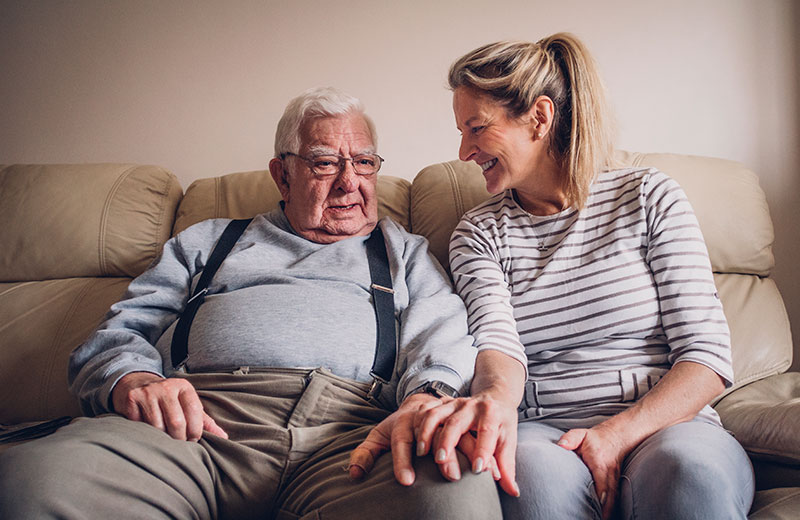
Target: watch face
440,389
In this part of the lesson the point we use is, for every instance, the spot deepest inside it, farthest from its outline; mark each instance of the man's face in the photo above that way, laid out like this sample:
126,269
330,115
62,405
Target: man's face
329,208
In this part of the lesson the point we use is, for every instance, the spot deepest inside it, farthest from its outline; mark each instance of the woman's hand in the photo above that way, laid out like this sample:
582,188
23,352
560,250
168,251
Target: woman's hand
602,450
483,427
396,433
171,405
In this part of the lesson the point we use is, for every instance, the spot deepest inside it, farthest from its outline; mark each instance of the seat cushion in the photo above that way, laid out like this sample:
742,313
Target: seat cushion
42,322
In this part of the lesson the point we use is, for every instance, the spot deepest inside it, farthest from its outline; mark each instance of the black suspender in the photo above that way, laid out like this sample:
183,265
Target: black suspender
382,300
180,338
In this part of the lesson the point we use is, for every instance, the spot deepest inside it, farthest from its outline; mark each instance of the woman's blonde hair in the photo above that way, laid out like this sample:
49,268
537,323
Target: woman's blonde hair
515,73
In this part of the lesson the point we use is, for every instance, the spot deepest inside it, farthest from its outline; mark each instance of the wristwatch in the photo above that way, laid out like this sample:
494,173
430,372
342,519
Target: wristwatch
435,388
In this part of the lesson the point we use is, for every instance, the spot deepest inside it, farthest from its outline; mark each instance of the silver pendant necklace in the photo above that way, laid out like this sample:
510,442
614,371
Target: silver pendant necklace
542,247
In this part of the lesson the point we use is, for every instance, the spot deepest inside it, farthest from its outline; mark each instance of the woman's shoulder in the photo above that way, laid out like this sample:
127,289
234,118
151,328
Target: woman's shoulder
492,208
643,178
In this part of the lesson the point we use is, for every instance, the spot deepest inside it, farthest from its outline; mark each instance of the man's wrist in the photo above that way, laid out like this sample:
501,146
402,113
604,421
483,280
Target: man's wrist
437,389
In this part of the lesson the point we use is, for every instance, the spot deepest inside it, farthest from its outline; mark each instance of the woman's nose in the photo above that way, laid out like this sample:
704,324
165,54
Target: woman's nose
467,150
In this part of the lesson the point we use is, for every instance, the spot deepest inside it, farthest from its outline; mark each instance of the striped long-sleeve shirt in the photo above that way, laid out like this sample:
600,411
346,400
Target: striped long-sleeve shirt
621,291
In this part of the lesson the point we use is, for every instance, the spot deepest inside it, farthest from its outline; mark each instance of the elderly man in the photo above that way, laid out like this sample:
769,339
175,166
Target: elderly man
250,405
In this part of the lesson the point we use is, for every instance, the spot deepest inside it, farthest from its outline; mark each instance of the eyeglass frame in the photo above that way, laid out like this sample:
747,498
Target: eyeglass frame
342,162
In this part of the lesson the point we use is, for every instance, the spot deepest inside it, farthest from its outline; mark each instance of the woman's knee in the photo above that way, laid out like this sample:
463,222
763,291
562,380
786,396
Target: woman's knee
554,483
691,470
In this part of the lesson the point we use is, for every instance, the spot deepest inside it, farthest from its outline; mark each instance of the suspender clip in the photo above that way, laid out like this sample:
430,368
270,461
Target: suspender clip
382,288
201,293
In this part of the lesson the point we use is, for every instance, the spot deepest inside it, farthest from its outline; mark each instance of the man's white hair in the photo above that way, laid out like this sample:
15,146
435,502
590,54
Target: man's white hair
315,102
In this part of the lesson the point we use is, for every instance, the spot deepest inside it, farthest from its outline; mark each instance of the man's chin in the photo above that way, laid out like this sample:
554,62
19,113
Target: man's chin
337,231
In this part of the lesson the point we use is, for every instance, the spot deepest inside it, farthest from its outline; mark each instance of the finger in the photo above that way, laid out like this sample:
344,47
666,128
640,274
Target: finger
150,411
454,427
609,499
195,418
506,465
402,442
572,439
361,462
426,424
485,443
211,426
174,419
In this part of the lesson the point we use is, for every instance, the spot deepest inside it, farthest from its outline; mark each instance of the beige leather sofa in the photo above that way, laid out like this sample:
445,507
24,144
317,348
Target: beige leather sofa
73,236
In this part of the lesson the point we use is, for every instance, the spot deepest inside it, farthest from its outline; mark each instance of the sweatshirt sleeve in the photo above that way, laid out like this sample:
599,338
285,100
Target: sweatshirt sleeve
434,344
124,341
691,311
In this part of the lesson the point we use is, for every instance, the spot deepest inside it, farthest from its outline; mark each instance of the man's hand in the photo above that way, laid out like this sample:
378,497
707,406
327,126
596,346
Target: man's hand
451,425
396,433
171,405
603,452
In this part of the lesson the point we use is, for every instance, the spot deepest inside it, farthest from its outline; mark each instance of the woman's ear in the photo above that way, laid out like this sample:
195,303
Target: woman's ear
541,115
280,176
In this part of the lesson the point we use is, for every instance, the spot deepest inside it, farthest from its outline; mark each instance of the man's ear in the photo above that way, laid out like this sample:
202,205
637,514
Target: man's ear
280,176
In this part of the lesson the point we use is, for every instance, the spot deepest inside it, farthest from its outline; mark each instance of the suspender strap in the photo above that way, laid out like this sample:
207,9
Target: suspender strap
180,338
383,300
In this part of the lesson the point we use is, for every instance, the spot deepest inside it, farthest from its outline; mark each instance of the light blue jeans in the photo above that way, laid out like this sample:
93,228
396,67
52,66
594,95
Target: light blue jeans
689,470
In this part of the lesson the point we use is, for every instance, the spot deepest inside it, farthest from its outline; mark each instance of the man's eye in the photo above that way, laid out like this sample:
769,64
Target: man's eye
324,163
477,129
365,161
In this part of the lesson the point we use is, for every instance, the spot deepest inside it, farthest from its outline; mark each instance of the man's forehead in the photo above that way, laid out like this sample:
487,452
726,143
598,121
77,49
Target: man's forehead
328,134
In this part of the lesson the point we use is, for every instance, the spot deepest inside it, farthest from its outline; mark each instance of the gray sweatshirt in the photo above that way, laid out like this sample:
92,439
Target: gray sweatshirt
279,300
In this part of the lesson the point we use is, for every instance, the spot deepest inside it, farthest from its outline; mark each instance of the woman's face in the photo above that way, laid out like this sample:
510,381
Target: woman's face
503,147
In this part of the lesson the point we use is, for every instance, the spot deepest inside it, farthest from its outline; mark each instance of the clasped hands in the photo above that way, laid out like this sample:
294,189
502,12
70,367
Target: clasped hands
480,427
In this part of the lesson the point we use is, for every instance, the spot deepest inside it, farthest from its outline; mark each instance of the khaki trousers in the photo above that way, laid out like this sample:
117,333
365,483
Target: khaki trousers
291,432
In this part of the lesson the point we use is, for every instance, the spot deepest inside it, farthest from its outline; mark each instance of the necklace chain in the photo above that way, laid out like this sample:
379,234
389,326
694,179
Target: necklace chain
542,247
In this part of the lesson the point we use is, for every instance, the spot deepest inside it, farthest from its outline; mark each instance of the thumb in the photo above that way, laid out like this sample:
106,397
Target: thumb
211,426
363,457
572,439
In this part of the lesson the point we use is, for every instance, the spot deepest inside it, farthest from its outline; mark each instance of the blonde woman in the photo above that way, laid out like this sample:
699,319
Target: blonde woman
591,298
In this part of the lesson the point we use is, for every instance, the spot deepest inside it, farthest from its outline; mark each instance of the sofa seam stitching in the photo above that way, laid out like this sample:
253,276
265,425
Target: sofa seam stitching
101,239
57,341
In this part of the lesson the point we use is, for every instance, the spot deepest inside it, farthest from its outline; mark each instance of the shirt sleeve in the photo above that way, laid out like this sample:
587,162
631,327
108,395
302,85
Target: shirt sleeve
691,311
124,341
434,343
480,281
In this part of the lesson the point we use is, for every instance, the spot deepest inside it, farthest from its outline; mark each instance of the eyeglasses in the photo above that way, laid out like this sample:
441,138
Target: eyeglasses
326,165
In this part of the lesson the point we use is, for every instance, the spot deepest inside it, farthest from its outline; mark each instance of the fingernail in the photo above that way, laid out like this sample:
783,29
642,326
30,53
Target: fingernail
421,448
441,455
603,498
477,467
454,471
516,490
406,477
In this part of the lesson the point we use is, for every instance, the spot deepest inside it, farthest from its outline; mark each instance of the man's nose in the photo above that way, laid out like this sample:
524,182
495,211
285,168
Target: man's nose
347,180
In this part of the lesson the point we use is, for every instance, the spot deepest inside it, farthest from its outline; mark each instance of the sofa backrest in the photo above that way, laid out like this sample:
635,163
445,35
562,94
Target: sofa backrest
83,220
734,218
246,194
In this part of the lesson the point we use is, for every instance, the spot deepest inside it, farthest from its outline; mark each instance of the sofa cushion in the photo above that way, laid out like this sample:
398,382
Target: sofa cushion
42,322
83,219
246,194
765,417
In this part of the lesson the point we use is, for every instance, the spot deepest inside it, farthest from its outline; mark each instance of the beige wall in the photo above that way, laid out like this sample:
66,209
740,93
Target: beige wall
198,86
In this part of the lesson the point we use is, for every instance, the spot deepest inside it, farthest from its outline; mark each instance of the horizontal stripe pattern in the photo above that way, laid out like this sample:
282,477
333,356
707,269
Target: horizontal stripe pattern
623,291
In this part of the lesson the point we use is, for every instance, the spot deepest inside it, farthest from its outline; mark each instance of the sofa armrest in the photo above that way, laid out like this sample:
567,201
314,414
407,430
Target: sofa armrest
765,418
